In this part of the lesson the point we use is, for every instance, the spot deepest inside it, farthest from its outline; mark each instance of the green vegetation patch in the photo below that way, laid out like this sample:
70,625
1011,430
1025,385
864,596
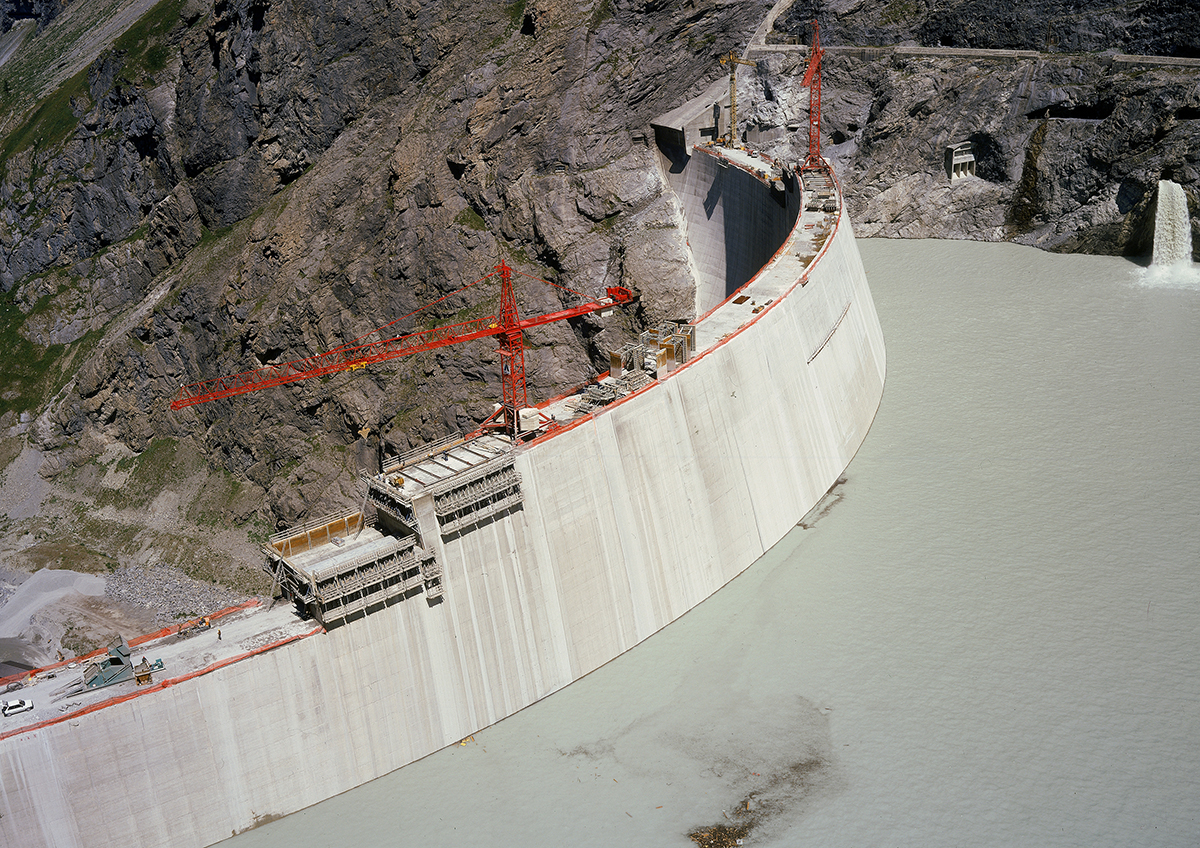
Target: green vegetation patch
606,223
32,372
516,14
53,121
162,463
470,219
601,13
224,501
208,237
145,44
66,554
899,11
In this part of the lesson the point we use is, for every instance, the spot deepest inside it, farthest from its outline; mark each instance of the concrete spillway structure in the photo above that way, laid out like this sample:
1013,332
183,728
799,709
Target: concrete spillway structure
628,517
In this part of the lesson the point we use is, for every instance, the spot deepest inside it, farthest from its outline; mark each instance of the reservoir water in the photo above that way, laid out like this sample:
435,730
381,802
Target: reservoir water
989,634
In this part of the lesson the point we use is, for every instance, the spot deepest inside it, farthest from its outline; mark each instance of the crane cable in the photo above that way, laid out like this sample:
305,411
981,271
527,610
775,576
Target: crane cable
355,342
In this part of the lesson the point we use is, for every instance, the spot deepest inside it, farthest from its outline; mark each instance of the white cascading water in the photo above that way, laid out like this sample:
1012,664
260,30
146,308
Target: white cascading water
1172,226
1172,258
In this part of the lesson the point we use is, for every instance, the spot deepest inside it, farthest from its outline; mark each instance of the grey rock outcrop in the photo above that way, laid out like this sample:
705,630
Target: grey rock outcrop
351,165
294,175
1068,151
42,11
1150,27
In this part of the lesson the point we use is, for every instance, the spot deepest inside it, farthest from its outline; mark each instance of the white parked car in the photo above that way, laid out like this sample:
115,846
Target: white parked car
13,707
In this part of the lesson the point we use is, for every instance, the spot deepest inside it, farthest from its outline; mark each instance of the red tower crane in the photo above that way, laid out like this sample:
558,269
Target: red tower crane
507,325
812,79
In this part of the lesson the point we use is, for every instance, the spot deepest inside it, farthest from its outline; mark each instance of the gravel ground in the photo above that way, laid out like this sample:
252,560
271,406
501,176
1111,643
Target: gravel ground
10,579
169,591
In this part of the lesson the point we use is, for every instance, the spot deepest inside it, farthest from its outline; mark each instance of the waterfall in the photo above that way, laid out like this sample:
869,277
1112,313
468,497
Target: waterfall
1172,265
1172,226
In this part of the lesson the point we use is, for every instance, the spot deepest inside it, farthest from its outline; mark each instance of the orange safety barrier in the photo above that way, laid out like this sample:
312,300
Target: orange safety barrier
163,684
138,640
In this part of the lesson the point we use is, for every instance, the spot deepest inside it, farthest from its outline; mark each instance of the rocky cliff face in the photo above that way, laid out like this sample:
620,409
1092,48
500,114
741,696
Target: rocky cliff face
1068,152
249,183
1151,27
42,11
1070,145
246,182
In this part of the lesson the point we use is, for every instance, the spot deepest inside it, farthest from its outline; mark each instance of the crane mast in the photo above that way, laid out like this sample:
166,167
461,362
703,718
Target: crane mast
733,61
812,79
512,352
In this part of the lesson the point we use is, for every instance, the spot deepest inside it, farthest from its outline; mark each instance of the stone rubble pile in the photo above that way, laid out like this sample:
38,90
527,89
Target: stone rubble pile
168,590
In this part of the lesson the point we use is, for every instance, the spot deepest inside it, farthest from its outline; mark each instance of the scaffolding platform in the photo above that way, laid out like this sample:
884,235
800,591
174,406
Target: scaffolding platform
335,567
443,491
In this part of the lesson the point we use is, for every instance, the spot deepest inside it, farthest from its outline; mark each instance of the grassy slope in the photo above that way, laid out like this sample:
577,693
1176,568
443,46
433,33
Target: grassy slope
95,517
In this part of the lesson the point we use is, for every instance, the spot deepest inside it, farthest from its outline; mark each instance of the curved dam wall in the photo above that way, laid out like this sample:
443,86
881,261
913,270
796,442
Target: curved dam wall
630,518
732,232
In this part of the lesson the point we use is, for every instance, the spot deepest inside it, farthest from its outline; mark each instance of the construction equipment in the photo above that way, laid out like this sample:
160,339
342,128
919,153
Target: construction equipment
193,627
733,61
812,79
508,325
115,667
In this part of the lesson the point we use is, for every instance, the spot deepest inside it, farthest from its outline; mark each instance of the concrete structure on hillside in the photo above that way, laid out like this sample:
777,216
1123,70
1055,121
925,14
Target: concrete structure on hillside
695,122
960,160
495,574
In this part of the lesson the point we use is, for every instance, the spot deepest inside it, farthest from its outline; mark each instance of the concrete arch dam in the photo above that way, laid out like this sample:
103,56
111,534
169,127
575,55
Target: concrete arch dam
629,516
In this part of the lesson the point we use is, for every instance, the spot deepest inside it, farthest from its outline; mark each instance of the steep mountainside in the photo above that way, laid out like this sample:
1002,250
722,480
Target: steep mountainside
1152,27
249,182
1068,152
222,184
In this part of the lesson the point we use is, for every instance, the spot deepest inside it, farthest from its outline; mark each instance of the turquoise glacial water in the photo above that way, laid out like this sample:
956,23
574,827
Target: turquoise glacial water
988,635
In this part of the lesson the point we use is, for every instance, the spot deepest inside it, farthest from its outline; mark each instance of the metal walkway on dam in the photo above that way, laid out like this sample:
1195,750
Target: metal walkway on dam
498,574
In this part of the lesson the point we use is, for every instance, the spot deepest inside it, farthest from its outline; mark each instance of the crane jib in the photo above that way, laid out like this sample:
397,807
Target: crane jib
350,358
